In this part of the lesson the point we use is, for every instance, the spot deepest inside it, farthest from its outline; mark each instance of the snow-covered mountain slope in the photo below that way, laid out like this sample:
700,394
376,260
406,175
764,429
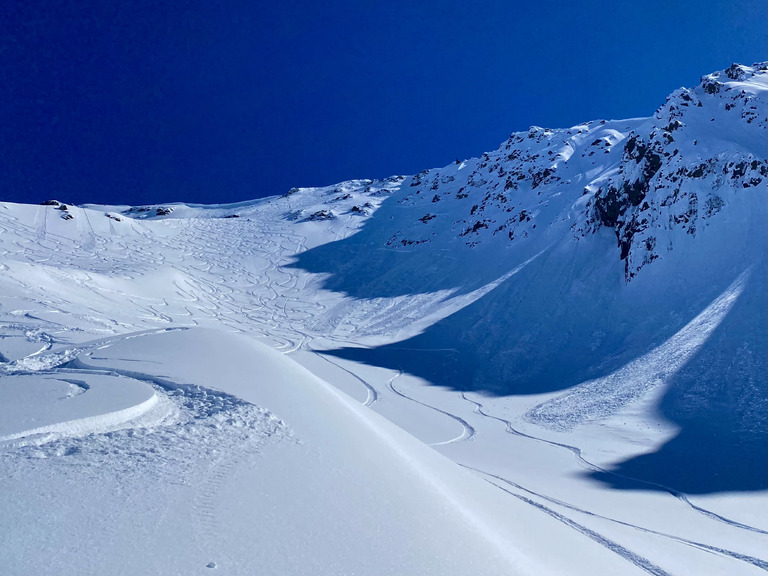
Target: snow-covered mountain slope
578,319
647,179
637,254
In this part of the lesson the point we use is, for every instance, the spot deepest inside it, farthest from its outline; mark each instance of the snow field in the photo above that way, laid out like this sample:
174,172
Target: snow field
600,413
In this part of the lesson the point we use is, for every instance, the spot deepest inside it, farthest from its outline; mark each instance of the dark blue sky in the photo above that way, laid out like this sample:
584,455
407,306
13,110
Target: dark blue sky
145,101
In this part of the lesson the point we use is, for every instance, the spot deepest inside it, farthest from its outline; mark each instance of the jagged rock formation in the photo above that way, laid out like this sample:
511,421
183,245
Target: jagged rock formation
645,179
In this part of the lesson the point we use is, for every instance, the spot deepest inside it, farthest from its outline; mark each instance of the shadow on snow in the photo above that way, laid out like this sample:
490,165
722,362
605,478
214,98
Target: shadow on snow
567,318
719,400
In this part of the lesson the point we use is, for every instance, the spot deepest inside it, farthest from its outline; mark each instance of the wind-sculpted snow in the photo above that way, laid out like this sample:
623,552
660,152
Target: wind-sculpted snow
578,316
164,438
43,408
120,415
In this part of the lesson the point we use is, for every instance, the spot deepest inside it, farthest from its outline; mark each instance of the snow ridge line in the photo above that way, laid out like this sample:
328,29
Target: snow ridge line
81,426
601,396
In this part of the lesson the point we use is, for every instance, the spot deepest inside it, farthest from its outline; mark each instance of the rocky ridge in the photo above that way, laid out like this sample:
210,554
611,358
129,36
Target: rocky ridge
650,181
647,179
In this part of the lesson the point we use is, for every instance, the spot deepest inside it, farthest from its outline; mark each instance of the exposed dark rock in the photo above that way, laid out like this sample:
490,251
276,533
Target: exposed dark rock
711,86
735,72
713,205
320,215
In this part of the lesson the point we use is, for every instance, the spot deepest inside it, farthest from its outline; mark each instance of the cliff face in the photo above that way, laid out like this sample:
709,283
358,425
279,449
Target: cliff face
702,147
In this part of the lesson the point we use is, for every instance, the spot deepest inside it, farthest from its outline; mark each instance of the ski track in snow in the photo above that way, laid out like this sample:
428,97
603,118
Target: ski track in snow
467,430
197,439
622,551
643,563
757,562
639,561
509,428
589,465
202,404
372,394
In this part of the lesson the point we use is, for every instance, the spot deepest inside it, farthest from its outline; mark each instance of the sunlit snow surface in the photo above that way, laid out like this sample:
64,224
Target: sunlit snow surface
254,388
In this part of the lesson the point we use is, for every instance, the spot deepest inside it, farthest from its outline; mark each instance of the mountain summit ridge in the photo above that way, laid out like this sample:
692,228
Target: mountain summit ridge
637,176
645,179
